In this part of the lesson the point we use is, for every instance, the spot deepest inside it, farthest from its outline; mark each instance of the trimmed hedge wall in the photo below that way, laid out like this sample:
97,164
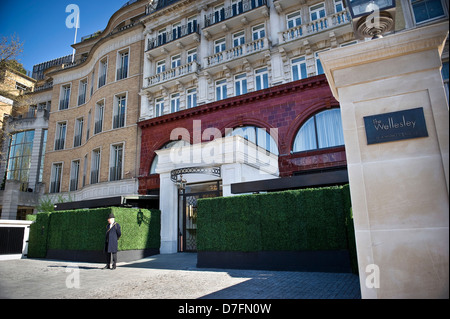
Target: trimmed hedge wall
298,220
85,230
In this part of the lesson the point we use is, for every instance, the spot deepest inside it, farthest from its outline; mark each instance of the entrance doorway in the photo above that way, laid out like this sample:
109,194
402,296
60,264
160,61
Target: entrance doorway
187,212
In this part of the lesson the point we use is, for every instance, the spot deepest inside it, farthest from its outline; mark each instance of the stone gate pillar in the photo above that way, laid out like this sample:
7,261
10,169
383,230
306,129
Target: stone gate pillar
395,118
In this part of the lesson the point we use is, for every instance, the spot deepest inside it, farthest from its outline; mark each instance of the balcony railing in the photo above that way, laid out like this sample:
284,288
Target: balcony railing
94,176
328,22
173,35
55,187
122,73
81,99
173,73
77,140
101,80
239,51
232,11
73,185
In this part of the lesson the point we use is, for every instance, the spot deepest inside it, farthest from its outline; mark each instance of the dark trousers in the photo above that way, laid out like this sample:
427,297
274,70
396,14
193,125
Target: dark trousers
108,258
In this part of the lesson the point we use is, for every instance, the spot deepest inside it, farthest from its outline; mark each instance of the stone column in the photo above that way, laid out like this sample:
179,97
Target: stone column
398,174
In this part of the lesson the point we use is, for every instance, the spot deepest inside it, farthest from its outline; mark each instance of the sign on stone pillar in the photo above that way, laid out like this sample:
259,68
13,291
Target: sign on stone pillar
395,119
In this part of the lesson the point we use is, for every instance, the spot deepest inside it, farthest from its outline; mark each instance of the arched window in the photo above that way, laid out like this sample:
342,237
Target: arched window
321,131
257,135
171,144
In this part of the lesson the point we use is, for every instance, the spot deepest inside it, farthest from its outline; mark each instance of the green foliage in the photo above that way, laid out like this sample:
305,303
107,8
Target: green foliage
85,230
309,219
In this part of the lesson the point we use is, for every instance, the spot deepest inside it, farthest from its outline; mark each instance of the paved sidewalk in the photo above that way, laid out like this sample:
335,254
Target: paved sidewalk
165,277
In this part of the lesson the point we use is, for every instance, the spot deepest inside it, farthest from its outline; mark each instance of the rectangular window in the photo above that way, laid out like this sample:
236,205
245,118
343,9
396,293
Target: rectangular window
99,111
236,6
119,111
258,32
60,137
162,37
19,158
176,31
56,175
191,98
219,45
174,103
238,39
64,97
240,84
122,66
159,107
82,91
262,79
74,173
317,11
103,67
88,129
78,132
319,67
160,66
426,10
299,69
116,161
95,166
175,61
42,155
192,55
84,170
294,19
221,89
192,25
219,14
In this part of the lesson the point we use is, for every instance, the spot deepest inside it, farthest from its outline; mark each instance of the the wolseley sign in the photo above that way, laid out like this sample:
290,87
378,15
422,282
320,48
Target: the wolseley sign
395,126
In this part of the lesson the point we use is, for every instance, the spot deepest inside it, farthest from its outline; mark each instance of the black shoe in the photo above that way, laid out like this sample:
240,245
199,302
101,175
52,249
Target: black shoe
106,267
113,266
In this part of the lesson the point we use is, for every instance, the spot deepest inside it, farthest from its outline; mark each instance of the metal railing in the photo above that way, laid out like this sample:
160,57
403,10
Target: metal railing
232,11
55,187
173,35
64,104
115,173
98,127
118,121
59,144
122,73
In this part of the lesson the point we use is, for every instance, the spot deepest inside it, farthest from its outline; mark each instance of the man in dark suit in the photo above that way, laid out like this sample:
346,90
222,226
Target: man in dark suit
113,234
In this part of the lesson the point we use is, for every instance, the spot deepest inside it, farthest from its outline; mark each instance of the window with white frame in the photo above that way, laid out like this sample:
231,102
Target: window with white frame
319,67
294,19
175,61
257,135
160,66
116,162
320,131
103,68
95,166
258,32
82,91
84,170
192,55
64,97
175,102
99,112
191,98
78,132
120,107
219,14
219,45
240,84
261,79
192,24
221,89
122,64
159,107
317,11
299,68
55,180
162,37
237,7
427,10
74,175
238,39
60,136
88,128
176,31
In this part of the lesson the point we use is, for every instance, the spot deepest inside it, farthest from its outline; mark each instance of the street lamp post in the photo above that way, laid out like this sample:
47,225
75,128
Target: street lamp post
371,18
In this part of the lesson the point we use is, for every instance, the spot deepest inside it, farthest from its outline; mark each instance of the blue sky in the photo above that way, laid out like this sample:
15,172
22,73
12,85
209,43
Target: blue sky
41,25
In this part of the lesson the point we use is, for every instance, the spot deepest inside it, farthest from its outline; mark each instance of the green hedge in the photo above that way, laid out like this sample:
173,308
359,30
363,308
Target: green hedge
310,219
85,230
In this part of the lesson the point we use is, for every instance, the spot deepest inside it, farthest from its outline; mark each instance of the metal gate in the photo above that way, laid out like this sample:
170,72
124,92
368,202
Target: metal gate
187,217
11,240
